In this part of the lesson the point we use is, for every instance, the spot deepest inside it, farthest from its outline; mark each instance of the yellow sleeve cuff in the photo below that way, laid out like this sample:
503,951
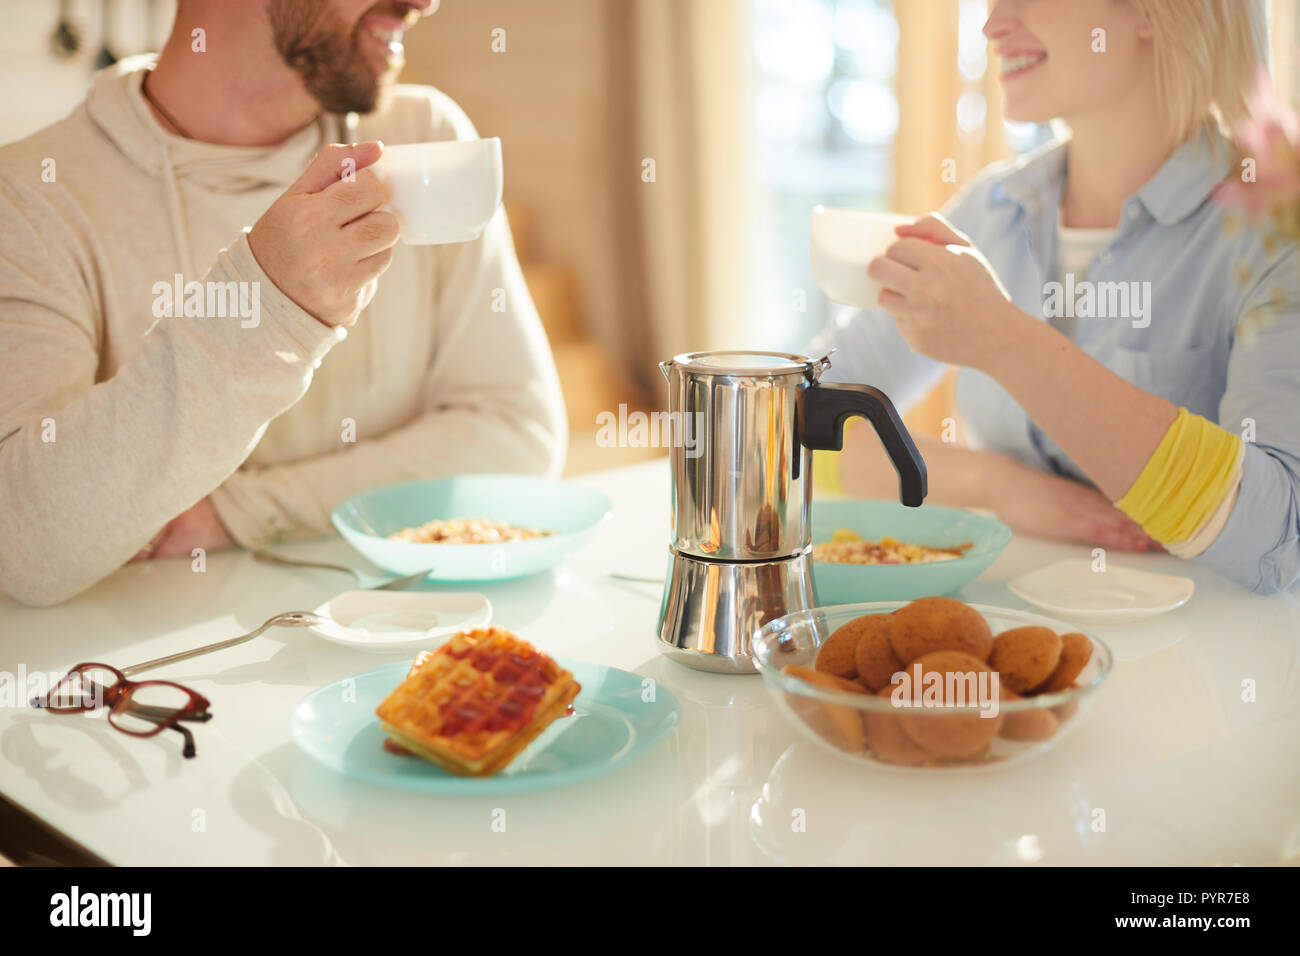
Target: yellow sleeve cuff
827,481
826,474
1185,480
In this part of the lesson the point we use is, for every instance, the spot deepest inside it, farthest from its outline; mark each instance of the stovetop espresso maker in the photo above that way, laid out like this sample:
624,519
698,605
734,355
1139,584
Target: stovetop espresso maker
741,545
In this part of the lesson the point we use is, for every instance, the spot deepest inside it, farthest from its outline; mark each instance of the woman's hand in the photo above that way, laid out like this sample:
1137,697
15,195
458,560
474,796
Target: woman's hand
944,296
1030,501
1049,506
199,527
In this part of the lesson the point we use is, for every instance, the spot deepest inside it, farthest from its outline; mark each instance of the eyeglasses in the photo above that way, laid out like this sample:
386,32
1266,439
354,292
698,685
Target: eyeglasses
147,708
139,708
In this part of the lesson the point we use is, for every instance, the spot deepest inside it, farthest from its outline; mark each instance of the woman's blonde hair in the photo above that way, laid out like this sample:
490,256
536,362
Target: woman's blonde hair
1207,55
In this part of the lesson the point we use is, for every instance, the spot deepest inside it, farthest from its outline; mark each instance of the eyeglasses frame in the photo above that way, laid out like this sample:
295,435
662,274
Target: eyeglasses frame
118,698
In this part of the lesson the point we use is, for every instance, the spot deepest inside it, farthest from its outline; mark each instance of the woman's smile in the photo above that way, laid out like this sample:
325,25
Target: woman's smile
1018,64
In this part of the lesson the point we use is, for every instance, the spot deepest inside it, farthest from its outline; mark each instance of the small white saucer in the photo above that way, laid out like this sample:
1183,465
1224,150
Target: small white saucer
1073,590
400,620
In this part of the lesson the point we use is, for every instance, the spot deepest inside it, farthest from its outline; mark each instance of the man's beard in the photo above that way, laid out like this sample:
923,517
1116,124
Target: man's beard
315,43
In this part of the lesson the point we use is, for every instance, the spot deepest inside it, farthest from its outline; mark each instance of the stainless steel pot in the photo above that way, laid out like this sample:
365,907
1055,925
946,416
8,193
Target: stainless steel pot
745,424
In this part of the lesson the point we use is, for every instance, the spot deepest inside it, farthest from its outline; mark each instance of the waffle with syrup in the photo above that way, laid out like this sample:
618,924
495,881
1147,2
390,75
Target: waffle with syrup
476,702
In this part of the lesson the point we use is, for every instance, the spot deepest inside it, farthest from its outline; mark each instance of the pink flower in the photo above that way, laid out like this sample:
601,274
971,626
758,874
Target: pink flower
1270,138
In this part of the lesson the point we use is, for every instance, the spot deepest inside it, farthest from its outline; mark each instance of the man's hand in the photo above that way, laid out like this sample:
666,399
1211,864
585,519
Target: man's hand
325,242
197,528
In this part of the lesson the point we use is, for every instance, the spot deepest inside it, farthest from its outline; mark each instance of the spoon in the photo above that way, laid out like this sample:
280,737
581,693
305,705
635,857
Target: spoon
396,584
287,619
638,578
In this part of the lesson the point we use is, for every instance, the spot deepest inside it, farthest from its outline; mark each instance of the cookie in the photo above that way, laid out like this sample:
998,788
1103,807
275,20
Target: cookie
1076,649
962,682
886,739
837,653
949,662
1025,656
875,660
1065,711
839,725
820,679
1036,724
939,624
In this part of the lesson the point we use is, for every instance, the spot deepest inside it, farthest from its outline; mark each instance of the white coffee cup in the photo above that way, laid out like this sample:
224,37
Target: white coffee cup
843,242
445,191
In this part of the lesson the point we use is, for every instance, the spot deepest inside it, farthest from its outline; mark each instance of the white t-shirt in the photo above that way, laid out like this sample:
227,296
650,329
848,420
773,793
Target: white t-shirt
1075,250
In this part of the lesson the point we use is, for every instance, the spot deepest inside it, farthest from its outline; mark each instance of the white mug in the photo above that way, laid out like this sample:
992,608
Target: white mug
444,191
843,242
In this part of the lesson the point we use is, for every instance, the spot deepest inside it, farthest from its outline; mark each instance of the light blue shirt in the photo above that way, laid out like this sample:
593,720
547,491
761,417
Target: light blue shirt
1220,334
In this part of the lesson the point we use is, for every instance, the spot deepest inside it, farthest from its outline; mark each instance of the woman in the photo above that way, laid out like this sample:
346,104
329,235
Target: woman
1130,363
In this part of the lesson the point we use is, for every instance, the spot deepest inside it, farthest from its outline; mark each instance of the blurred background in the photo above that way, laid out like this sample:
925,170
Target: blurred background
662,156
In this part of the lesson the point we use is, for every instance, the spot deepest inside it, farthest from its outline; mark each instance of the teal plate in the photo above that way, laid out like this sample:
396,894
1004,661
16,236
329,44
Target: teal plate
927,525
610,726
569,511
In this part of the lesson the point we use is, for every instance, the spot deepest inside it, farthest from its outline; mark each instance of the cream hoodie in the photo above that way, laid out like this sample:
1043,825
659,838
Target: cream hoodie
113,421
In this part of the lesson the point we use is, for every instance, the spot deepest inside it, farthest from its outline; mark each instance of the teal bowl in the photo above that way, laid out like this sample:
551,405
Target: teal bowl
927,525
570,511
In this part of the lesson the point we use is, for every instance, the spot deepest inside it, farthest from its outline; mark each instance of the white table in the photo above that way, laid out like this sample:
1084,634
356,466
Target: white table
1184,770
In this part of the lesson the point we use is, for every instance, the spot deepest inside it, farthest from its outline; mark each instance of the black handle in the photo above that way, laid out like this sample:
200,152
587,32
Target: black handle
823,410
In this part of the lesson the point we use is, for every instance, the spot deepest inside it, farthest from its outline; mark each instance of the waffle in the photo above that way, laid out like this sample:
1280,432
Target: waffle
476,702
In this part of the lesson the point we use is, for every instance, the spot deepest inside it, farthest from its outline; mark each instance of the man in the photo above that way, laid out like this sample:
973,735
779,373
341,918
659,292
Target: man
125,408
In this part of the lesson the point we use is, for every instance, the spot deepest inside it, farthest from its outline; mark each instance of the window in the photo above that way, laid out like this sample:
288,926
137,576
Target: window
830,128
825,116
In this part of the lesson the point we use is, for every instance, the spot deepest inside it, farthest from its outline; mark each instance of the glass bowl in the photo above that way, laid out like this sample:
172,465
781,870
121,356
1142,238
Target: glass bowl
871,729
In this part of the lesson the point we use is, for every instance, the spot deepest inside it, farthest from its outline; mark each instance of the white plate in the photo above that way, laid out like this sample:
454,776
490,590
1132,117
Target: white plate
400,620
1118,595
